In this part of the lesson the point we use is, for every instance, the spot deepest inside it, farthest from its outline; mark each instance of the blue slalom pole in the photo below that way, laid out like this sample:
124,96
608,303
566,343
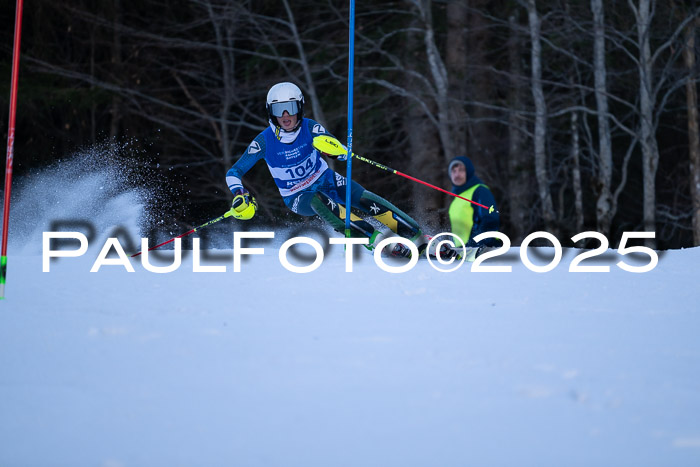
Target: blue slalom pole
351,72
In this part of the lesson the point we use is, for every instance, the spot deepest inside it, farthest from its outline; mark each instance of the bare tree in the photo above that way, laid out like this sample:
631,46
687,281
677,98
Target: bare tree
540,132
190,77
303,60
438,73
650,151
576,172
116,110
604,211
653,94
426,154
519,160
693,132
456,61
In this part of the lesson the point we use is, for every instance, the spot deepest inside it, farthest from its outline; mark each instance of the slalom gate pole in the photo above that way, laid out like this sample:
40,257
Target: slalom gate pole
351,73
206,224
10,146
401,174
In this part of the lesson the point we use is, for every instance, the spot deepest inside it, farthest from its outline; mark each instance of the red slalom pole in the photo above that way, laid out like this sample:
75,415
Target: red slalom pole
439,189
165,242
327,144
10,146
401,174
228,213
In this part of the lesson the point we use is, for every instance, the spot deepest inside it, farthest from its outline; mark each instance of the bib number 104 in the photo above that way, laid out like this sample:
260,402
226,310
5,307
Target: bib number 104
300,170
575,265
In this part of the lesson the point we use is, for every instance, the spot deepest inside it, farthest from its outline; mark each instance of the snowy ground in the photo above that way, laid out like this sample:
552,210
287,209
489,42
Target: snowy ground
266,367
270,368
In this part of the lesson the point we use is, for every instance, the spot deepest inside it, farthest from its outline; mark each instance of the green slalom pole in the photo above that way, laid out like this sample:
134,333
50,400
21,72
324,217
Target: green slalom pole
3,267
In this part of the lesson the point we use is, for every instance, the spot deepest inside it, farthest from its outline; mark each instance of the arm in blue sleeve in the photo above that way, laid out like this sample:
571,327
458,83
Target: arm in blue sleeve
485,221
252,154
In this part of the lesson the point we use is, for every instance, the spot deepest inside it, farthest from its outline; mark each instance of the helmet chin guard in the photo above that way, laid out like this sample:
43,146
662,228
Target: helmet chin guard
285,97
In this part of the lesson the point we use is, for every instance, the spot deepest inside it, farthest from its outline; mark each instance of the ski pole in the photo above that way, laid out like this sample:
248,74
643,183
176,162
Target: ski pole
401,174
329,145
10,146
206,224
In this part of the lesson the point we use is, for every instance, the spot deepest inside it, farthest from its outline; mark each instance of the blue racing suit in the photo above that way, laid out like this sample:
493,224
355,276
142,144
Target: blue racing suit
308,186
298,169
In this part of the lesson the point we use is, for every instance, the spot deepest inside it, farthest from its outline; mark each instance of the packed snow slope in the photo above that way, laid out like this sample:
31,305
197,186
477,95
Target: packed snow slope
269,367
266,367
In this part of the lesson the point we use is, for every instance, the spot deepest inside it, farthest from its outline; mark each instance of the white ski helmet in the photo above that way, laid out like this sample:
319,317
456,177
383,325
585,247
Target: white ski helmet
284,96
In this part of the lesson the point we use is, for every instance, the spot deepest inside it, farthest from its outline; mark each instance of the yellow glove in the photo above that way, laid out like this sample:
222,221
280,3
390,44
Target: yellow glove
243,206
331,147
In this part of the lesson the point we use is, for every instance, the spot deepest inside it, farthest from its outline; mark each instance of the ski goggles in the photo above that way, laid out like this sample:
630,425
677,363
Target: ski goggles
278,108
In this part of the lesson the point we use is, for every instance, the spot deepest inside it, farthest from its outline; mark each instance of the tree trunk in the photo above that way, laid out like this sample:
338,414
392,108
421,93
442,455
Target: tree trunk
438,72
116,110
576,173
306,67
456,64
483,140
426,160
604,211
426,163
225,42
693,137
650,150
93,105
519,190
541,171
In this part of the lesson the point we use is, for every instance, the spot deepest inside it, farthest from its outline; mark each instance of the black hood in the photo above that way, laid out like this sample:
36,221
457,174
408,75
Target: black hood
472,179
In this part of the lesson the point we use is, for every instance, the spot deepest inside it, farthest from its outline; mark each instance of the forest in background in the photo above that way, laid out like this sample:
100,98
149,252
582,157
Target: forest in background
579,115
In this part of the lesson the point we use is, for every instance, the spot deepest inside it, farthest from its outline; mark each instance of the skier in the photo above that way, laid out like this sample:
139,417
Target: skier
466,219
307,185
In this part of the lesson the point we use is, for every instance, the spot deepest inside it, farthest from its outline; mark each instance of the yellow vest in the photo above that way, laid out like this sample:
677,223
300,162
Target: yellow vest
462,214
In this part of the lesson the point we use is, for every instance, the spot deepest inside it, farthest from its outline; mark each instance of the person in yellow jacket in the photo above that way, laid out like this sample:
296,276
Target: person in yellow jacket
466,219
